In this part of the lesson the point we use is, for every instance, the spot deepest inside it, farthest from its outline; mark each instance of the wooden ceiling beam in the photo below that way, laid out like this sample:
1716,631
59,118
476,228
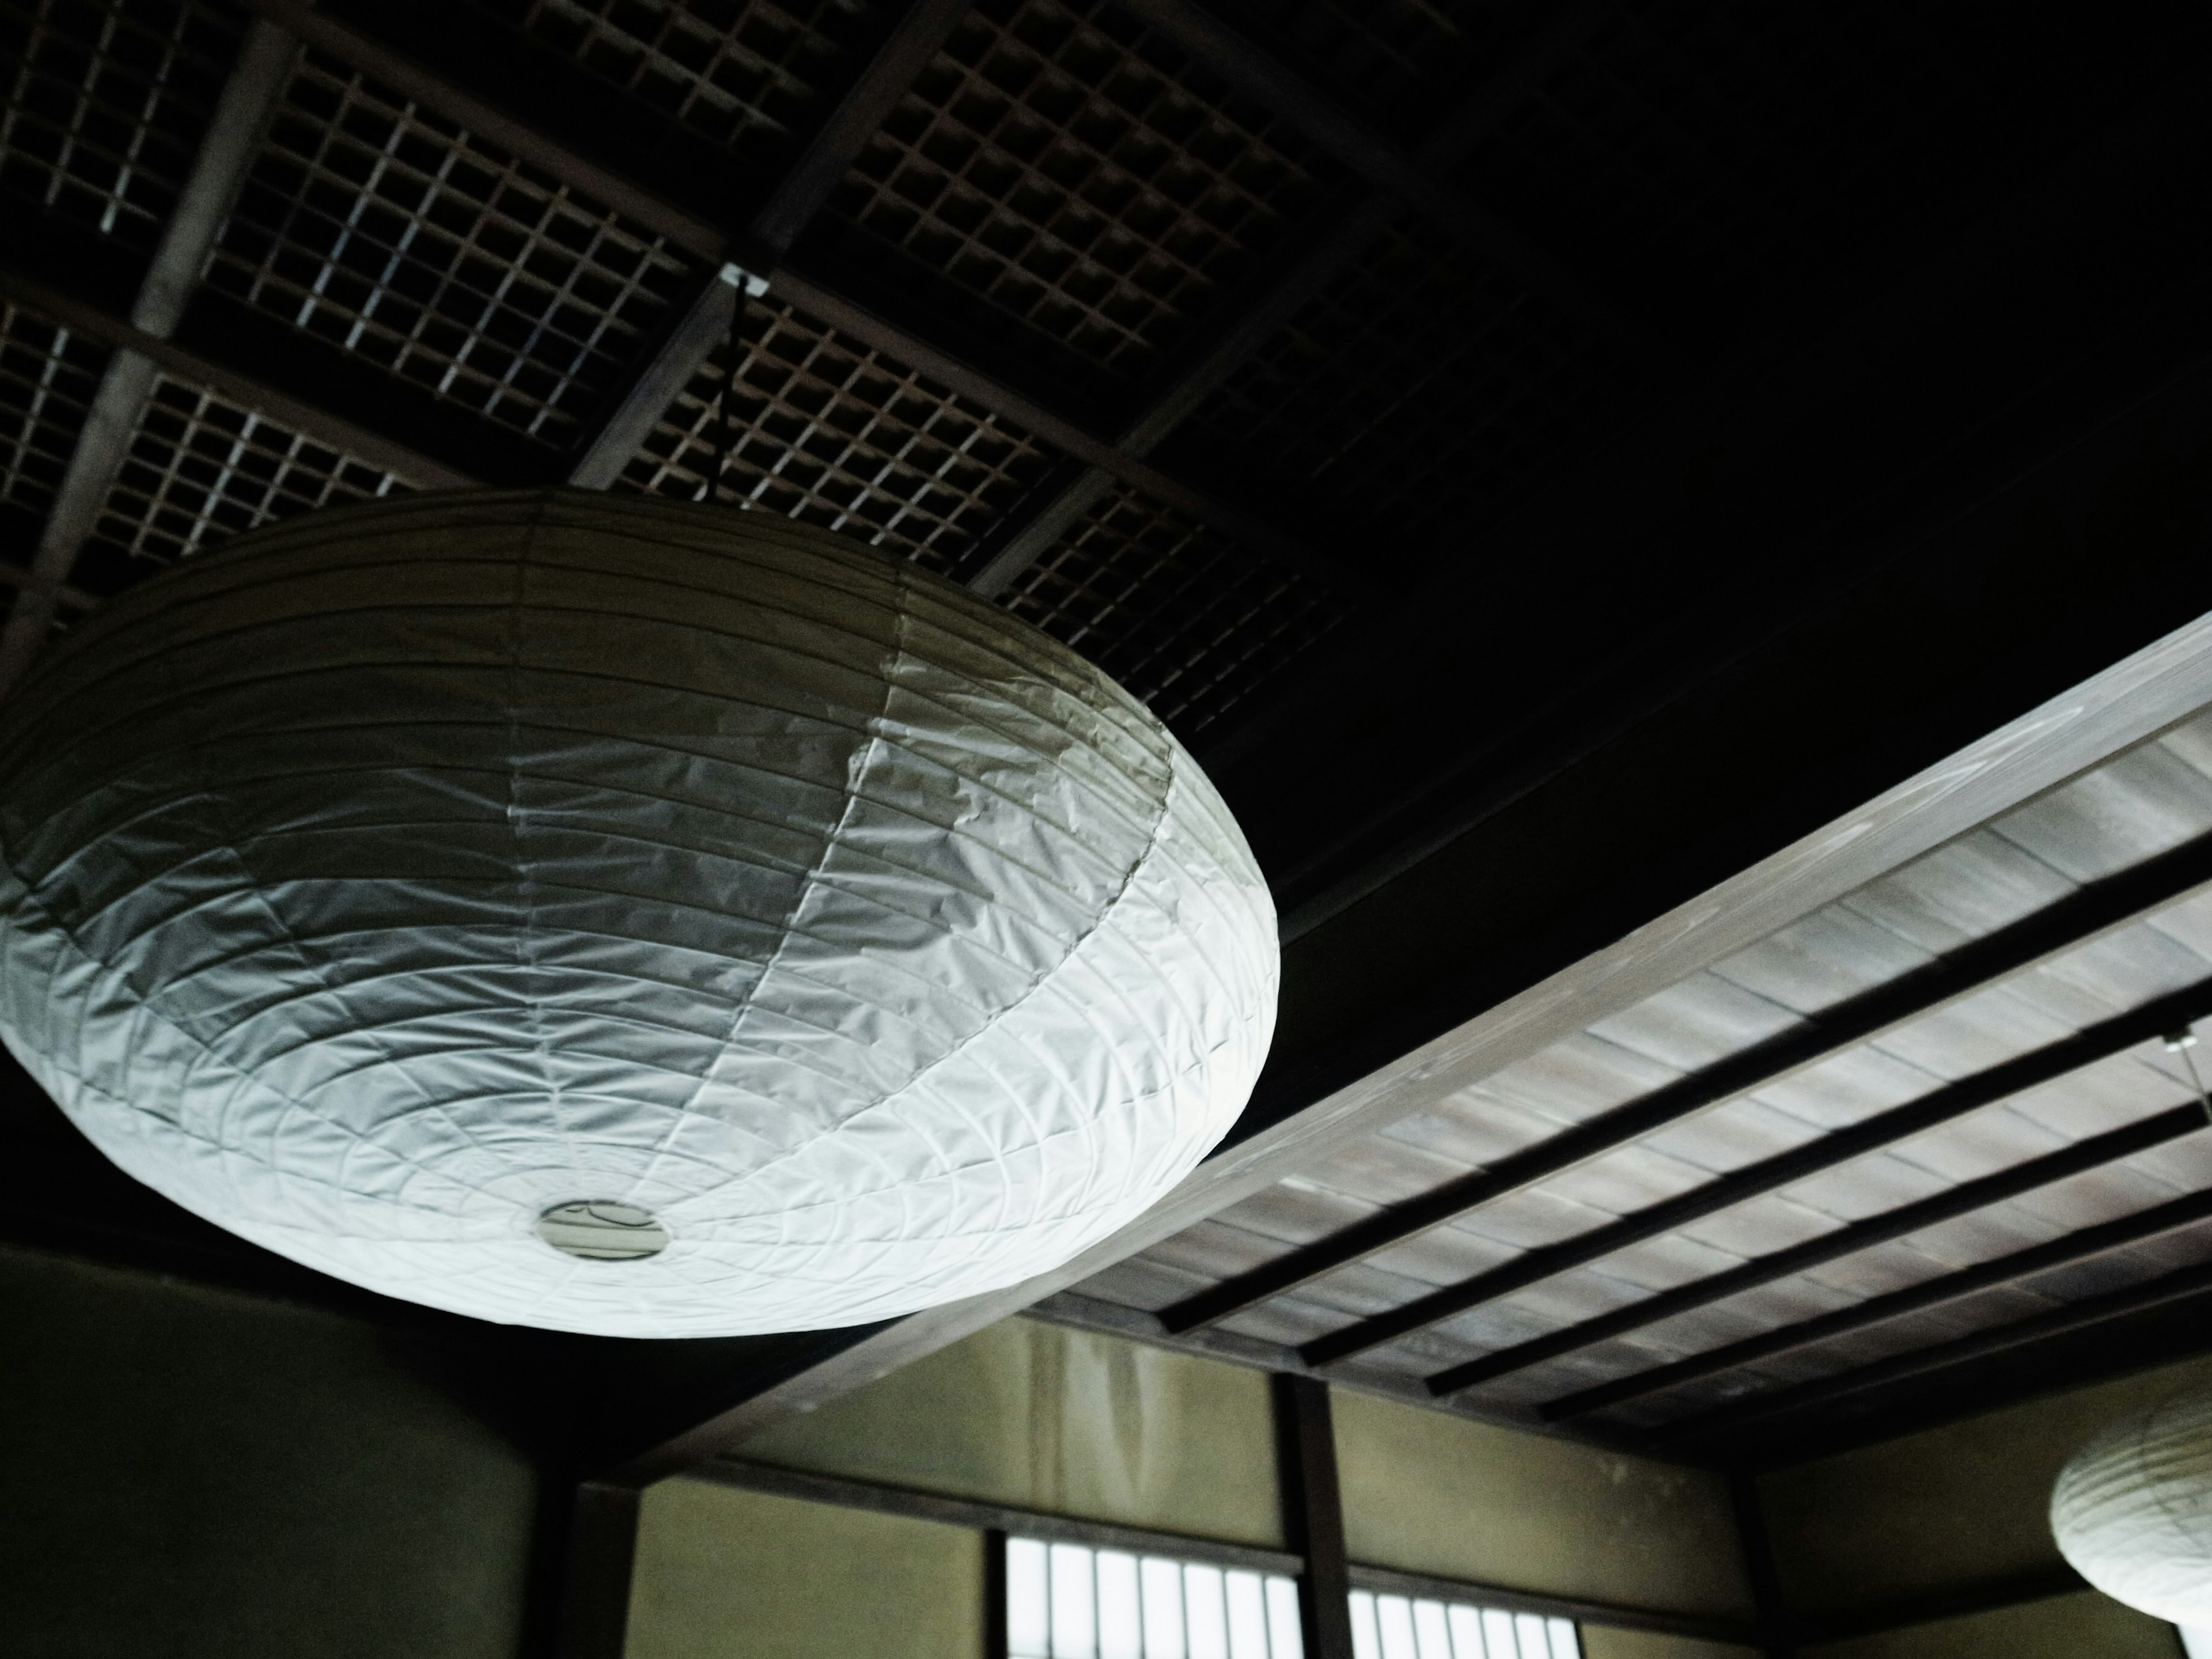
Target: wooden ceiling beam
181,363
1830,1150
1965,1198
716,247
2070,1249
2014,1077
2090,912
2163,1292
264,63
1419,180
2133,699
714,309
1251,320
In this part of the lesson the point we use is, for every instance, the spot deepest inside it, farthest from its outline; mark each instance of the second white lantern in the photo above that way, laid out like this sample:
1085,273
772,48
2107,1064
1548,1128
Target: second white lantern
2132,1511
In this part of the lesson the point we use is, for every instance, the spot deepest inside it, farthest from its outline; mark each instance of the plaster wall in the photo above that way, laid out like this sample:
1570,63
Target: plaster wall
2064,1627
194,1473
1949,1506
1427,1493
1602,1644
1067,1421
1075,1422
722,1572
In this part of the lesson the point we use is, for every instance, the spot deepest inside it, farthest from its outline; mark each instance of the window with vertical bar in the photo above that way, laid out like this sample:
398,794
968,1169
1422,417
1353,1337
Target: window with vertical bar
1405,1627
1071,1602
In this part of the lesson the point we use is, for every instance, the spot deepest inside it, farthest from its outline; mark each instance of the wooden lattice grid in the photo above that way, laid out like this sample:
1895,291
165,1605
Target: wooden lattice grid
831,432
751,74
48,378
1422,387
1385,58
200,470
1182,617
388,231
106,104
1078,177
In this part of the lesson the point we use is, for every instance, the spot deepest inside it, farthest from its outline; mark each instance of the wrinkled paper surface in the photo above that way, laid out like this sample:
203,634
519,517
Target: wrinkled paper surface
2132,1510
398,873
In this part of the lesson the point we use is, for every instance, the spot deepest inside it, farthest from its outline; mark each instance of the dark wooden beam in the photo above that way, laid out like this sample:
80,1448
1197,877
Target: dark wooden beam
988,1517
1710,1426
2086,913
707,319
324,33
710,243
1333,566
1034,525
1313,1513
1772,1173
1089,1313
602,1560
981,1514
256,81
181,363
779,223
2067,1251
2155,688
1253,319
1772,1624
1962,1199
66,596
1419,181
1951,1601
995,1643
857,118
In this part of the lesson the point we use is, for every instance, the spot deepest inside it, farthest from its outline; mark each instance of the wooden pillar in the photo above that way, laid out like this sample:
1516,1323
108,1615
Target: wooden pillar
1313,1513
995,1594
594,1600
1775,1636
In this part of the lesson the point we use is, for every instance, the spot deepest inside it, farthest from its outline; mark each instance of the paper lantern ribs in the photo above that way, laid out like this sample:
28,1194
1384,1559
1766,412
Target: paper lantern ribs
620,916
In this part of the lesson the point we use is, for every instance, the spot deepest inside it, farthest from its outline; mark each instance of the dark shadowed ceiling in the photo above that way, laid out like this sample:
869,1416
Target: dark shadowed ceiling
1542,459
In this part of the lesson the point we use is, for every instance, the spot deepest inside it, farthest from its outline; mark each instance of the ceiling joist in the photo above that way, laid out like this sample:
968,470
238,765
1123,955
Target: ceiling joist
1255,319
264,64
2070,1250
712,245
2094,910
1964,1198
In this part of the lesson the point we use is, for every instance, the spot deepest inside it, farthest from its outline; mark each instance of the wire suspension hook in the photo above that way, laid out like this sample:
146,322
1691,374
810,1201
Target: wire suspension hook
2180,1042
720,466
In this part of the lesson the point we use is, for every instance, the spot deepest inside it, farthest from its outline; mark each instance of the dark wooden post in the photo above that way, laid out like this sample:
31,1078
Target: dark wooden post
1775,1638
995,1594
595,1592
1313,1513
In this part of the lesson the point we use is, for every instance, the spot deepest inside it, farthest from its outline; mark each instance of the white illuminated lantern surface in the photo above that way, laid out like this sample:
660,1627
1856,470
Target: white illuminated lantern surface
2132,1511
409,886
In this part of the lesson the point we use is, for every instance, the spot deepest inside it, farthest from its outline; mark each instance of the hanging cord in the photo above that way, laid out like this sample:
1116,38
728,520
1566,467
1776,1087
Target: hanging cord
2180,1042
729,404
723,424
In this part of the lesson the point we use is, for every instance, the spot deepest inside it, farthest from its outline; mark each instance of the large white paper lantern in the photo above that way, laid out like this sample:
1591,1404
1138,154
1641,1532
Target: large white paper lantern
2132,1511
620,917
